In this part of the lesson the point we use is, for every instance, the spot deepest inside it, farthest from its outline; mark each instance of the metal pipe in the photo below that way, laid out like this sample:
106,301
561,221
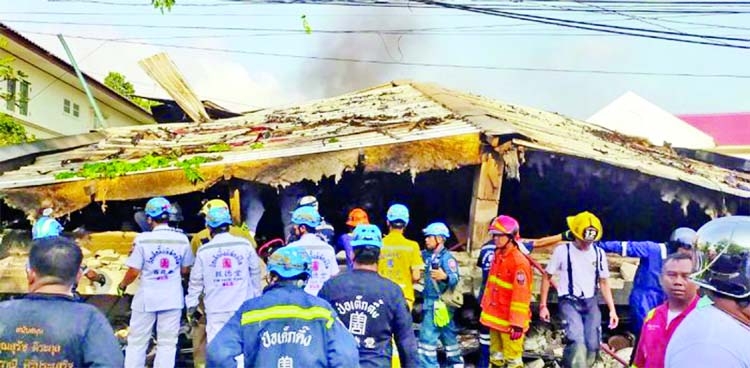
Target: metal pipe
99,122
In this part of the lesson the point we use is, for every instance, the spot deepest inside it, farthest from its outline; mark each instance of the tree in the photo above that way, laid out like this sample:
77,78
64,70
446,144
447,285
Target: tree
119,84
163,4
11,132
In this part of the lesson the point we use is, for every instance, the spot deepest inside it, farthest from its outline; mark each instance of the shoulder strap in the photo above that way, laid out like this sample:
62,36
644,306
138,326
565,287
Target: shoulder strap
570,273
598,264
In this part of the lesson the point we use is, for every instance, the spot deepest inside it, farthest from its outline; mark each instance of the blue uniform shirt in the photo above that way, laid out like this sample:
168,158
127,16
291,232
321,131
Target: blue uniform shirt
56,330
448,263
651,256
374,309
284,327
345,244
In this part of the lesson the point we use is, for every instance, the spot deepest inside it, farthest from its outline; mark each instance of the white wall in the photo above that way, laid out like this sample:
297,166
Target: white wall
46,118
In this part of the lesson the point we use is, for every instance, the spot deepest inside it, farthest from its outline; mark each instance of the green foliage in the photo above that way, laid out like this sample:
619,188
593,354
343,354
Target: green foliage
11,132
163,4
256,145
115,168
306,25
8,72
119,84
219,147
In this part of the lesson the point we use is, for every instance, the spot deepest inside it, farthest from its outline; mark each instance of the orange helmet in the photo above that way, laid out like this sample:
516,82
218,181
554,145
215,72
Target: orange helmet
505,225
357,216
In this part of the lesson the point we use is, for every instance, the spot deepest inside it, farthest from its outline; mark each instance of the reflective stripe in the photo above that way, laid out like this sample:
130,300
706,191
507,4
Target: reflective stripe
452,353
288,312
427,347
505,285
490,318
663,249
519,307
427,353
624,249
452,348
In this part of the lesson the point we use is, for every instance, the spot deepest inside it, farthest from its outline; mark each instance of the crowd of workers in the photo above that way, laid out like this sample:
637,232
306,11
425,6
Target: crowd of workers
299,310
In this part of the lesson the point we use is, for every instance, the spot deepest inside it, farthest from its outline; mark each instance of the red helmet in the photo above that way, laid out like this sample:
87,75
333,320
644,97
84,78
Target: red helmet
505,225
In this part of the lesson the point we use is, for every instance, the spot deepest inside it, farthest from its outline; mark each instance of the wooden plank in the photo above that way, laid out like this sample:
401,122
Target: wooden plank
485,199
162,70
235,207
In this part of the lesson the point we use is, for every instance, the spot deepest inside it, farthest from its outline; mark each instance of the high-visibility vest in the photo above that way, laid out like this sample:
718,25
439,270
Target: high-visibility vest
507,294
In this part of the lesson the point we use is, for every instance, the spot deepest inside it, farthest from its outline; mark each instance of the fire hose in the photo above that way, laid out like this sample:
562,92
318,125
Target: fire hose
602,345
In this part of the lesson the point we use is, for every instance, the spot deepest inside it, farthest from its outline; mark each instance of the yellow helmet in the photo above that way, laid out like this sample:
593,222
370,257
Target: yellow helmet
585,226
214,203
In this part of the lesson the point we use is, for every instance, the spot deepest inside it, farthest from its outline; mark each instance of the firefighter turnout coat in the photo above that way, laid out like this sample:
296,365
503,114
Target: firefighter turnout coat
507,294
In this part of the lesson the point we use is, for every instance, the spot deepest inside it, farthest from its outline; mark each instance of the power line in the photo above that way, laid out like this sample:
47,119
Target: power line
420,64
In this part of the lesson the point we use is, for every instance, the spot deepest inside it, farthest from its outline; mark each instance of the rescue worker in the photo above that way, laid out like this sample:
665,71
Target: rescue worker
441,274
285,327
662,321
506,302
647,291
400,258
582,269
371,306
324,230
48,227
717,332
356,217
226,272
48,327
198,331
304,221
160,257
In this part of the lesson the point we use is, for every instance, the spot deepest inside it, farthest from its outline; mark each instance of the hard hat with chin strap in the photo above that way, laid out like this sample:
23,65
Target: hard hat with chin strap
585,226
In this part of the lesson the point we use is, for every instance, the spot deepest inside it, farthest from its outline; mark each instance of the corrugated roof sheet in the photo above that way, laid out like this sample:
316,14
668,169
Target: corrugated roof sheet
393,113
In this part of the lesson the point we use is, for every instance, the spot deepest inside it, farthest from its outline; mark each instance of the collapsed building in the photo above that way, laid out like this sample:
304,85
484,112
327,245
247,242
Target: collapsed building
448,155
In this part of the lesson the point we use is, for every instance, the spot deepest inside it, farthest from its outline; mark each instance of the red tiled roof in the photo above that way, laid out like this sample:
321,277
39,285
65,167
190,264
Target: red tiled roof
727,129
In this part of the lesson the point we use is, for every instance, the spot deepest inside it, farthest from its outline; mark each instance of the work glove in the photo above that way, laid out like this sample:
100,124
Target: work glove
441,317
100,279
516,332
567,235
120,290
193,316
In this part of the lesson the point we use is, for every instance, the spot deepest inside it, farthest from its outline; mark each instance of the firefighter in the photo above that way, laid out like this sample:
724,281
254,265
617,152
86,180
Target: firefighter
717,332
356,217
203,237
226,271
507,298
371,306
304,221
285,327
441,274
160,257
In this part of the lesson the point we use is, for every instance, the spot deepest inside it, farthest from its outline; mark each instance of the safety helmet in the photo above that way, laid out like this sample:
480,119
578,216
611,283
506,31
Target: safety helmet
723,256
437,229
157,206
682,237
217,217
289,262
306,216
505,225
308,201
212,204
357,216
585,226
367,235
398,212
46,227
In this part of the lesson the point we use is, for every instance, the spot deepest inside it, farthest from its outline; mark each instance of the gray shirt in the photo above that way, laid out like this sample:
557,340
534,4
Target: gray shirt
708,337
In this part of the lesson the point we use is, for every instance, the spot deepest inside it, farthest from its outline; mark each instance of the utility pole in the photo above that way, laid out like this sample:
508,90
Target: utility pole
99,122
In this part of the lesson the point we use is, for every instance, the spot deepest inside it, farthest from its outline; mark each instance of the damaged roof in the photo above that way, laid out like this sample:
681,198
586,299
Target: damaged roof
399,126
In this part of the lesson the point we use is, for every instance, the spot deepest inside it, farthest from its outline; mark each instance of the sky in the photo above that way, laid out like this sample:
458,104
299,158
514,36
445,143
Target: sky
273,62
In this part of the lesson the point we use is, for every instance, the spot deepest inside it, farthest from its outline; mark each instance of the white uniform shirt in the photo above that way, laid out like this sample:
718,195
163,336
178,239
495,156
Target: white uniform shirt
160,255
708,337
584,269
324,261
227,272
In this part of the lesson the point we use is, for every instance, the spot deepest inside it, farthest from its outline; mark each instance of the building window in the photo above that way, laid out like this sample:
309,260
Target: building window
66,106
23,98
71,108
10,97
76,110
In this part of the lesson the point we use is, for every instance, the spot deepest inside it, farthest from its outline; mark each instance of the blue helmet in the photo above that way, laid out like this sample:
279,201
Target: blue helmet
217,217
367,235
46,227
398,212
289,262
157,207
437,229
306,215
